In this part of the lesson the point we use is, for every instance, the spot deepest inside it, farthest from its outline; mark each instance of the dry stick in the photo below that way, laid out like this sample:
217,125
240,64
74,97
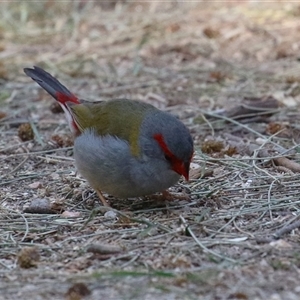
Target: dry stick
211,179
229,159
126,264
269,200
36,133
242,125
230,221
279,233
286,229
84,199
265,155
209,124
97,234
26,228
14,146
117,212
27,177
40,152
281,160
4,265
205,249
165,208
262,153
242,231
17,167
49,159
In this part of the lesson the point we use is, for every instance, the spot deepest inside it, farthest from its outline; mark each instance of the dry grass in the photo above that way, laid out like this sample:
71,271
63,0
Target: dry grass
237,237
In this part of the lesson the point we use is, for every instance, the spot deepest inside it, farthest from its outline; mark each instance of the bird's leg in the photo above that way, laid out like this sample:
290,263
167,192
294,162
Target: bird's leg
102,198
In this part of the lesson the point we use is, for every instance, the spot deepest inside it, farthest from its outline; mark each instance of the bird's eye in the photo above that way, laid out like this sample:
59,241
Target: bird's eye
167,157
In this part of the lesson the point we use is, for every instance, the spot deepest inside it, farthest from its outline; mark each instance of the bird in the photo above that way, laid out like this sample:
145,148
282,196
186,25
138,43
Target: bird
125,148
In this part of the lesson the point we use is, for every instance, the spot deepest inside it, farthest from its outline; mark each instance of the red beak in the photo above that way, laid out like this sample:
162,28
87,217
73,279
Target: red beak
182,169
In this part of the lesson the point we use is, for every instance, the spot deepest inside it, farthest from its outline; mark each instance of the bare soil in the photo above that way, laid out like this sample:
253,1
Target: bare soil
231,72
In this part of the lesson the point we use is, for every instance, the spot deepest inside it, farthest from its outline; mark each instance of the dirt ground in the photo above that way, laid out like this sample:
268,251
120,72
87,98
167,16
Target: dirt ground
231,72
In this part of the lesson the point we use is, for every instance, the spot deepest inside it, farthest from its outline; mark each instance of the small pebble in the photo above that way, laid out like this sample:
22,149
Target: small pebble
35,185
110,215
70,214
39,206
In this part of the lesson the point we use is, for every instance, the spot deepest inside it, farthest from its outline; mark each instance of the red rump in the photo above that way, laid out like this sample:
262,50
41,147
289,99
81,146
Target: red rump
177,165
63,98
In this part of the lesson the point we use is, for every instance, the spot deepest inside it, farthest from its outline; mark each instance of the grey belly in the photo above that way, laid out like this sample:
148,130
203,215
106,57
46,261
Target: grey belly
107,164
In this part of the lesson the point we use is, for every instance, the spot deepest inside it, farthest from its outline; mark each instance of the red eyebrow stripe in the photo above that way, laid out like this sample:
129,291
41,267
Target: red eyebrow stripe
160,139
177,165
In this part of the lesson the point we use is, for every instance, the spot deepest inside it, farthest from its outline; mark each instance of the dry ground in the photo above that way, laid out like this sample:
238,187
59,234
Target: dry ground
231,72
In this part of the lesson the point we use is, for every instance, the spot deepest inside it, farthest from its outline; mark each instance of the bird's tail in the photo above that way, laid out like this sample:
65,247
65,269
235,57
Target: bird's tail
57,91
51,85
